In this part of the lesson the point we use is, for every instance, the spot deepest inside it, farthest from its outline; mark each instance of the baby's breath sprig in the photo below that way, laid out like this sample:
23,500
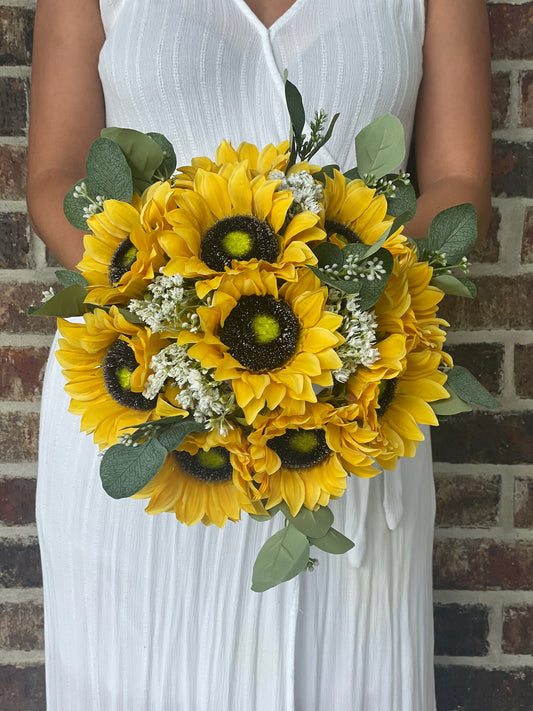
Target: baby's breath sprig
352,268
95,206
438,260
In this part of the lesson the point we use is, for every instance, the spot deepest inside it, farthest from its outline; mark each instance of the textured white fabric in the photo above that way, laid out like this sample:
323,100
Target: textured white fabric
142,613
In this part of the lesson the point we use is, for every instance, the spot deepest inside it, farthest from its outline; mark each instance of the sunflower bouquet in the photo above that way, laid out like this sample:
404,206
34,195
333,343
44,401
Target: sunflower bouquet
255,329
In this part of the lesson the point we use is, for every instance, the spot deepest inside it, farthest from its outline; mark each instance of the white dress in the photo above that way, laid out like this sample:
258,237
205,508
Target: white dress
143,613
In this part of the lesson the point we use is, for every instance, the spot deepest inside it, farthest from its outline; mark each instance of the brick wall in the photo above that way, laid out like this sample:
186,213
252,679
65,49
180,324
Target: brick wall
484,538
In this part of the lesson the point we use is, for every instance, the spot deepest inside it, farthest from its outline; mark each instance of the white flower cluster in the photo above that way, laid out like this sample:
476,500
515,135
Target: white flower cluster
94,206
206,399
169,305
47,295
352,269
358,328
306,192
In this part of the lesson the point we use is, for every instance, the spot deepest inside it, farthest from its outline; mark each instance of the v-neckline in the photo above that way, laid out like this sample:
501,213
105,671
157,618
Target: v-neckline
260,24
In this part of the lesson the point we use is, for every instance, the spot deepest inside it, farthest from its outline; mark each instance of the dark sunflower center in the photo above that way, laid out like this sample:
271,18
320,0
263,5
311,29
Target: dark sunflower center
261,333
387,391
119,364
212,466
242,237
121,261
301,449
333,227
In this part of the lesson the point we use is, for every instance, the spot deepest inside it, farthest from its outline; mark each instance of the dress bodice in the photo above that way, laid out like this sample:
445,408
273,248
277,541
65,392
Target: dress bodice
203,71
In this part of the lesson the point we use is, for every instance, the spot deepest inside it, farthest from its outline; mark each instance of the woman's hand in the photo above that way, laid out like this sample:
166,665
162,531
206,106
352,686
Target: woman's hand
67,114
453,120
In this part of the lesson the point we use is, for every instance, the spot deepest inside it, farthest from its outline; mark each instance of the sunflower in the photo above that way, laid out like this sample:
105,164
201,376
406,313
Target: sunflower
225,224
207,479
273,344
105,362
304,459
354,213
122,255
394,403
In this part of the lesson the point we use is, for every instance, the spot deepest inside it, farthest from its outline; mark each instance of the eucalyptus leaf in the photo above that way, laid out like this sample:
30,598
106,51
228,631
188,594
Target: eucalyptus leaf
313,524
454,232
296,109
168,165
468,388
67,302
108,172
173,436
352,286
403,202
327,254
372,290
352,174
74,206
282,557
68,277
126,470
380,147
143,154
421,246
333,542
450,406
450,284
356,250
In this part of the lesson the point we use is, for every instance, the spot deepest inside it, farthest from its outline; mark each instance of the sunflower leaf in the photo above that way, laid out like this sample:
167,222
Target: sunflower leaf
67,277
173,436
403,202
450,406
67,302
450,284
454,232
333,542
126,470
469,389
282,557
328,254
143,154
314,524
168,165
108,172
380,147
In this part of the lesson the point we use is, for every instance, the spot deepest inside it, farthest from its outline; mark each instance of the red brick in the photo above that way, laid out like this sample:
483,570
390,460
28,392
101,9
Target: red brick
21,626
501,302
523,502
16,34
12,172
523,370
517,633
485,438
19,434
484,360
481,564
527,238
17,501
487,249
13,106
461,630
14,240
21,372
22,688
15,299
501,91
20,565
463,688
526,86
512,169
511,28
467,500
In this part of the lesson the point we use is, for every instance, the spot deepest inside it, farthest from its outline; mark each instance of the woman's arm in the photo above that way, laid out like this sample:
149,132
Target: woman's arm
453,120
67,114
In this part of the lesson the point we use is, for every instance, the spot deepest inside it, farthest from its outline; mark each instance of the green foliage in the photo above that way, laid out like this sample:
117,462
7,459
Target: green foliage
108,172
469,389
450,406
332,542
74,205
282,557
454,232
68,277
126,470
455,286
313,524
142,153
168,165
380,147
402,202
68,302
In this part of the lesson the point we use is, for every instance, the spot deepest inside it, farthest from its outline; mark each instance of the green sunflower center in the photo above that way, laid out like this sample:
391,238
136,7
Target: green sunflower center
261,332
241,237
333,227
211,466
118,366
121,261
301,449
387,391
